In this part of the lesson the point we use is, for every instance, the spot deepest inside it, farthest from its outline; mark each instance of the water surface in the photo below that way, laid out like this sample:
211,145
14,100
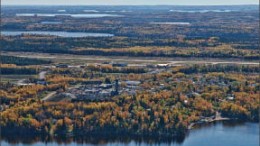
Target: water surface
66,15
51,22
57,33
201,11
216,134
171,23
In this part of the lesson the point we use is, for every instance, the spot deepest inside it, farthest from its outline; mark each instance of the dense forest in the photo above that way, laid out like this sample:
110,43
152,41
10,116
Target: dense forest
22,61
10,69
206,34
218,68
155,110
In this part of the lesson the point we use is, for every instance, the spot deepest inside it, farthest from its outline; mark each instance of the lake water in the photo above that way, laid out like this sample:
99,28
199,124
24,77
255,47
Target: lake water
57,33
90,11
51,22
216,134
201,11
67,15
171,23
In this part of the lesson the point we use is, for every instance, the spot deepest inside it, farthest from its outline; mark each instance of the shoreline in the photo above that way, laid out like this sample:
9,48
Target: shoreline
217,117
90,138
194,124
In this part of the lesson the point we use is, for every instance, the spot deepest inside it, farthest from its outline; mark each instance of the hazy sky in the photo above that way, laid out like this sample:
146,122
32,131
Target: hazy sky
128,2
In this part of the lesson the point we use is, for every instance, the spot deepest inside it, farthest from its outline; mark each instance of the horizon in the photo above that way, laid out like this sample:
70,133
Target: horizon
129,5
129,2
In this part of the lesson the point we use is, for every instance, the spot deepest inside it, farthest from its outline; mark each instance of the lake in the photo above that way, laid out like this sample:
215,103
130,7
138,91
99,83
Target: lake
67,15
51,22
201,11
57,33
214,134
171,23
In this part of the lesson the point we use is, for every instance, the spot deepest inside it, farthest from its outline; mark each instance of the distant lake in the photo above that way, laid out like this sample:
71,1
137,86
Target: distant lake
61,11
201,11
57,33
67,15
51,22
171,23
90,11
215,134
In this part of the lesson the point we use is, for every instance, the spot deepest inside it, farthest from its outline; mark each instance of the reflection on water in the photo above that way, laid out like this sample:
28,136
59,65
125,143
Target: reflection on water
87,139
215,134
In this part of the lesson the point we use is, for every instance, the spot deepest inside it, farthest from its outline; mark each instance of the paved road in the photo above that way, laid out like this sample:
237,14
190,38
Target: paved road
49,96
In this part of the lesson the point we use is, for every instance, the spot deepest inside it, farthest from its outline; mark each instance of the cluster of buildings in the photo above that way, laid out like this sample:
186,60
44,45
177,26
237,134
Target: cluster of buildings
99,91
203,82
95,90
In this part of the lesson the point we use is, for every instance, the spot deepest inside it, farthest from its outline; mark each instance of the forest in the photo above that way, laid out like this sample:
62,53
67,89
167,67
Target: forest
160,34
11,69
22,61
165,112
182,66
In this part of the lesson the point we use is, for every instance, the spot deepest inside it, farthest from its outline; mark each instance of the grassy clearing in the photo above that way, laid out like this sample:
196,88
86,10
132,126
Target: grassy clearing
15,78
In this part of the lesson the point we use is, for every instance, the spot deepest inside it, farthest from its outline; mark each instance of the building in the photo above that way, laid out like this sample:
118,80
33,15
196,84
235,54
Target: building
162,65
119,64
62,66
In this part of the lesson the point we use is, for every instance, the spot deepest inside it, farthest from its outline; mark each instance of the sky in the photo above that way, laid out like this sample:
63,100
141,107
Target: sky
128,2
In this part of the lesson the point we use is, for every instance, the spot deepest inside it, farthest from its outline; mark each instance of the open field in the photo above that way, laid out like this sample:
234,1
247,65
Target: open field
74,59
15,78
